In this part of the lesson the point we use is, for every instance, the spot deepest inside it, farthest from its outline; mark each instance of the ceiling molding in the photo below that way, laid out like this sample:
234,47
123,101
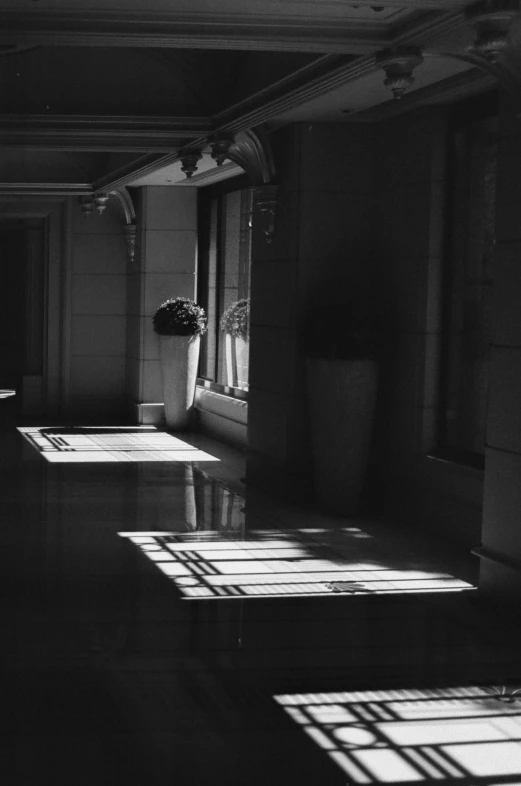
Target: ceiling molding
447,90
45,189
215,175
335,76
322,68
262,32
98,133
144,166
433,25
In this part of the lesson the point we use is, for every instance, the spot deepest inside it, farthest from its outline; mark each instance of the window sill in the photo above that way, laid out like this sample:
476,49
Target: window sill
225,390
222,417
219,404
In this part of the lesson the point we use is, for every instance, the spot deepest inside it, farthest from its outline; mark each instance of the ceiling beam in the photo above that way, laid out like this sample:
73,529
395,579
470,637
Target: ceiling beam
101,133
261,32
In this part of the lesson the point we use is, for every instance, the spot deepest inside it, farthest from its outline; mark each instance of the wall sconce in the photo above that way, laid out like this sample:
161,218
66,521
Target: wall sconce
265,201
220,144
189,163
398,64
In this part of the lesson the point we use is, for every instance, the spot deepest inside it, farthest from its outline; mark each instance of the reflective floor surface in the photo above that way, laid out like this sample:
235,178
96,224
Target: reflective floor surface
117,671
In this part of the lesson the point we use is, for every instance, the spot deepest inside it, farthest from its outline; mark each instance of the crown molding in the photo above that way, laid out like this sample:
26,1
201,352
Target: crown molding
98,133
143,166
262,32
45,189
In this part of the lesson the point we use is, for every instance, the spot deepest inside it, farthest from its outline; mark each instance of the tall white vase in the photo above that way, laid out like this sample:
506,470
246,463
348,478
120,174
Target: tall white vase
179,356
237,354
342,399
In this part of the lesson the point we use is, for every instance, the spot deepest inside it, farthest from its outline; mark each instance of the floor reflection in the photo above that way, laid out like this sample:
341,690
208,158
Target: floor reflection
408,736
273,563
110,444
109,662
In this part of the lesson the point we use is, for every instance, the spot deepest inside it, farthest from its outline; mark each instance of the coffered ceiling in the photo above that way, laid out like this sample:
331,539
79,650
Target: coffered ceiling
109,92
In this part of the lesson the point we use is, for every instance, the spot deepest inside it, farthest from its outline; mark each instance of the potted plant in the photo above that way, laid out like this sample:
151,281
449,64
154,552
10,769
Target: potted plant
340,344
235,324
179,323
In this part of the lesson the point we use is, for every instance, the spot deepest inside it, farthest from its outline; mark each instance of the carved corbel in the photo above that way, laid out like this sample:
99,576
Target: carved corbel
399,64
87,206
189,162
129,229
123,198
493,51
220,145
251,151
100,201
491,20
265,205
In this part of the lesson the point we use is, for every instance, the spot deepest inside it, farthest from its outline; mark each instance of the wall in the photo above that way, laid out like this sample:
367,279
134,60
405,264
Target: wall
361,209
163,267
409,214
321,250
501,557
96,309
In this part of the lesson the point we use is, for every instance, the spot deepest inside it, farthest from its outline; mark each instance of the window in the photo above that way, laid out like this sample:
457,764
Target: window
468,282
224,285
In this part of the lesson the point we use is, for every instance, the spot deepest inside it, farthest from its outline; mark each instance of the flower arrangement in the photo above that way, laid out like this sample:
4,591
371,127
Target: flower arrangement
236,319
179,316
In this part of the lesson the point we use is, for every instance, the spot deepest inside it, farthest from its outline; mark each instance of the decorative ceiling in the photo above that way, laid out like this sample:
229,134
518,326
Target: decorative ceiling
115,94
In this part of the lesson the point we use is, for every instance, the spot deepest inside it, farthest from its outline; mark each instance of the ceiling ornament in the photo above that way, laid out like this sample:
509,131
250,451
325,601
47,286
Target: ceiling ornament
87,205
251,151
491,19
493,50
399,64
124,200
189,162
220,145
100,201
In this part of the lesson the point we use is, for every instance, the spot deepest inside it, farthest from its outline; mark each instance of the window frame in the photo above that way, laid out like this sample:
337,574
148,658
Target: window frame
205,197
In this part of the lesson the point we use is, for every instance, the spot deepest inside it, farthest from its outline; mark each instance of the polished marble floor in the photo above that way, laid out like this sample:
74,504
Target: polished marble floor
114,671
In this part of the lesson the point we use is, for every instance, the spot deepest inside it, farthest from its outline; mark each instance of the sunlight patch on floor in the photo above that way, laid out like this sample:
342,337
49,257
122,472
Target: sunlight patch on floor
271,563
404,736
85,444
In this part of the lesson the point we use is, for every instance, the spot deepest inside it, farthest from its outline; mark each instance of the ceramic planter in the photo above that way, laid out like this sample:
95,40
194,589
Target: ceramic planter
342,399
179,356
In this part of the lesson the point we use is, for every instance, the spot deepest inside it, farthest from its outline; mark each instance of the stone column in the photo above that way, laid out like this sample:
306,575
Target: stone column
164,267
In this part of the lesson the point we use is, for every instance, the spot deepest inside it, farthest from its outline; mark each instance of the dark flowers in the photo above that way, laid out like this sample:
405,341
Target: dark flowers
236,319
179,316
